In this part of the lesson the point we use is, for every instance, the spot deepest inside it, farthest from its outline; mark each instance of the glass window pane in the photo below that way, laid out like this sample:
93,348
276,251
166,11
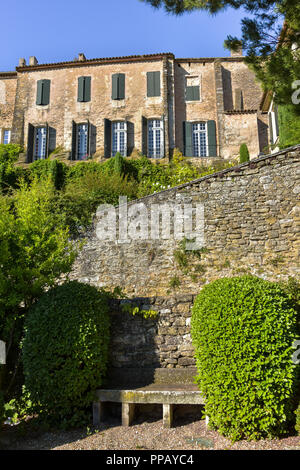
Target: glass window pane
199,139
82,141
155,138
40,143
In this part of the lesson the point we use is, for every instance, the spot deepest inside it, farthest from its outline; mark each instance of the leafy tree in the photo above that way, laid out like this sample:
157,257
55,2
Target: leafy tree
35,250
277,67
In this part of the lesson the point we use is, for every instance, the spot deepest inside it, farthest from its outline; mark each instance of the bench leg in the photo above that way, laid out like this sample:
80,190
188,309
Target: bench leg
127,413
167,415
98,413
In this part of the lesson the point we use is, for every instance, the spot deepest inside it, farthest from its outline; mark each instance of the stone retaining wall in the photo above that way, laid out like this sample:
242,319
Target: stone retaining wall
164,341
251,225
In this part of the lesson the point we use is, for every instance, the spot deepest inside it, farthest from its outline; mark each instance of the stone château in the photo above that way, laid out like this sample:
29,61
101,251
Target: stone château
206,107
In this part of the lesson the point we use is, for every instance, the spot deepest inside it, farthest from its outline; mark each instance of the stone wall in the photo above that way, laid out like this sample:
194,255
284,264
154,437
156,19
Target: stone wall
8,84
162,342
251,225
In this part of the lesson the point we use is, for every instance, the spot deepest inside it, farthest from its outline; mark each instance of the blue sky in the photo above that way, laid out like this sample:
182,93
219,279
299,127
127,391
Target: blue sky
58,30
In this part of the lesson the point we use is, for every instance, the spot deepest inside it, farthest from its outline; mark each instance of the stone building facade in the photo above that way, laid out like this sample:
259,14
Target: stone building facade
206,107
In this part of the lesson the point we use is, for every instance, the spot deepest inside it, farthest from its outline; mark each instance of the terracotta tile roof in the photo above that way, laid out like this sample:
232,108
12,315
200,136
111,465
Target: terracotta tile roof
8,74
105,60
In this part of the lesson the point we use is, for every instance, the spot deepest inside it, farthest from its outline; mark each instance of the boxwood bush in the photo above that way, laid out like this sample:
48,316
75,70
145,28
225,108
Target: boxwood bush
243,329
65,350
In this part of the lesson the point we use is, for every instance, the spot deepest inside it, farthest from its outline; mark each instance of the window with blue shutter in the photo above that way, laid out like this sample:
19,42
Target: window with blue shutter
43,92
84,89
153,84
118,86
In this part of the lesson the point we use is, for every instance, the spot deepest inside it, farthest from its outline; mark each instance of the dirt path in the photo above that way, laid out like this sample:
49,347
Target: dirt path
141,436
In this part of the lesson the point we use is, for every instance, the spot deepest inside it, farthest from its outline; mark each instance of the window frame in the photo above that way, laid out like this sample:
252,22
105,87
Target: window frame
2,136
199,131
77,141
36,157
162,138
119,131
198,77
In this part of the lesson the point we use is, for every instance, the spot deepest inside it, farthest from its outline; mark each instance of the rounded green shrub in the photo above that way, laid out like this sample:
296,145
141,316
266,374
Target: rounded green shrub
243,330
244,153
65,349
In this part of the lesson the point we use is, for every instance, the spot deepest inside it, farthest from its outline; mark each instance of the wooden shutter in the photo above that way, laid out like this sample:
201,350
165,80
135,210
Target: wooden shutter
39,92
107,138
130,137
188,139
84,89
51,140
118,86
153,84
114,90
74,141
46,92
43,92
30,143
212,138
121,86
192,93
144,136
92,139
81,89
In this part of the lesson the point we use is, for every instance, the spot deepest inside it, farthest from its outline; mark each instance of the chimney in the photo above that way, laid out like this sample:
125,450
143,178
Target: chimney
238,52
22,62
33,60
81,57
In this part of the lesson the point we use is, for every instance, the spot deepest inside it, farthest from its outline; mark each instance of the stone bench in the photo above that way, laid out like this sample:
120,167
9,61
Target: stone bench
169,387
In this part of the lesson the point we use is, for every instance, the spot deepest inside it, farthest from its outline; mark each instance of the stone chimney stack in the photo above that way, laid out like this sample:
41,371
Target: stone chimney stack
81,57
33,60
22,62
238,52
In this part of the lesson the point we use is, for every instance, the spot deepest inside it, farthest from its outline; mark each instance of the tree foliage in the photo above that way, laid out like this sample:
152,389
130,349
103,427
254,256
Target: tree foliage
35,250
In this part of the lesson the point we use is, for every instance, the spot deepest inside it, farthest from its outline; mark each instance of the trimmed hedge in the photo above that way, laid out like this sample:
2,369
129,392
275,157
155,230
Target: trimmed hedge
65,350
243,329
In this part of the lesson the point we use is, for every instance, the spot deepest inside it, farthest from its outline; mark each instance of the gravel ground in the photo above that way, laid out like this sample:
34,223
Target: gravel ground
142,435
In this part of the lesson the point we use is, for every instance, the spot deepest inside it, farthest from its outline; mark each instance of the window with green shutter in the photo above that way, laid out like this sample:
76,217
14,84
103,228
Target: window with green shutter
188,139
153,84
43,92
192,93
84,89
118,86
212,138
